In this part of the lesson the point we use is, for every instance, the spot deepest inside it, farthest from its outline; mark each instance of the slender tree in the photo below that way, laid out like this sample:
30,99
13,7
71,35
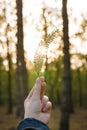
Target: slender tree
6,30
21,71
1,60
2,19
80,87
10,104
66,106
45,36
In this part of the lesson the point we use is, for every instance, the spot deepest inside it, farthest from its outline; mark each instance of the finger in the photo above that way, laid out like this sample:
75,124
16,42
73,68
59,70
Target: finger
32,90
47,108
37,89
42,79
45,99
43,89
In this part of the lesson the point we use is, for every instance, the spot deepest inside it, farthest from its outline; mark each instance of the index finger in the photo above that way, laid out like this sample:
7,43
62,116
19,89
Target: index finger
43,89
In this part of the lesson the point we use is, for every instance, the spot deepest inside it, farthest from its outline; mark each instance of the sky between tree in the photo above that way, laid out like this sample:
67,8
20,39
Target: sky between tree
31,35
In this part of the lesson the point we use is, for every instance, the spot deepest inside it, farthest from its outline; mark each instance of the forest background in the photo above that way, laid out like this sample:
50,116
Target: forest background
51,34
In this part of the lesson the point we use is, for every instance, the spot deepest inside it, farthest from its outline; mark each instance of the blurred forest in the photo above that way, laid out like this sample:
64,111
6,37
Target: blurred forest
64,64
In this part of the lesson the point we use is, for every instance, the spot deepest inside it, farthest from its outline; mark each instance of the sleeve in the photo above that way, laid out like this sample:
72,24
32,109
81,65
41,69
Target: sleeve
32,124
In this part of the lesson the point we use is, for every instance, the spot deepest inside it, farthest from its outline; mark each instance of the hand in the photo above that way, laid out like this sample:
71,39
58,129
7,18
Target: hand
36,104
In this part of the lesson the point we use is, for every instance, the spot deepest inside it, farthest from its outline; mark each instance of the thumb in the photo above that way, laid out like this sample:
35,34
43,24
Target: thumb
37,89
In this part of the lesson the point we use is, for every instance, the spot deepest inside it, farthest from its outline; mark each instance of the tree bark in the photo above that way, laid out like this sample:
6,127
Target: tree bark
80,88
45,36
1,101
10,104
21,71
9,86
66,106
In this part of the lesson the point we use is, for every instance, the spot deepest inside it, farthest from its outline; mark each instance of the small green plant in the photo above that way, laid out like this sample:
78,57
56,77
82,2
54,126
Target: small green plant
50,37
38,61
39,57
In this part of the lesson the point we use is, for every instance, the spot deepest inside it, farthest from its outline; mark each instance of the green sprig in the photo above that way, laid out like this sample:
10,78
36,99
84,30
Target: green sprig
50,37
38,61
38,58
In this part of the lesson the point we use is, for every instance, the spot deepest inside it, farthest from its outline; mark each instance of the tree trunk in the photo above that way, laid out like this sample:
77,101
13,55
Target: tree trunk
55,82
10,104
21,71
1,102
66,106
9,86
80,88
45,36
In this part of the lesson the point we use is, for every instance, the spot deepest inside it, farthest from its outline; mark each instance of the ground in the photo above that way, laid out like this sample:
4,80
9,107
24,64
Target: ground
78,120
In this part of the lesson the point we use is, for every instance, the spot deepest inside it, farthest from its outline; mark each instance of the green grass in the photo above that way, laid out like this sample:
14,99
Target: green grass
78,120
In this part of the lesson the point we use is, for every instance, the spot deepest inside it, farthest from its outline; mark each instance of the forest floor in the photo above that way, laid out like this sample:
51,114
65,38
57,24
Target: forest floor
78,120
